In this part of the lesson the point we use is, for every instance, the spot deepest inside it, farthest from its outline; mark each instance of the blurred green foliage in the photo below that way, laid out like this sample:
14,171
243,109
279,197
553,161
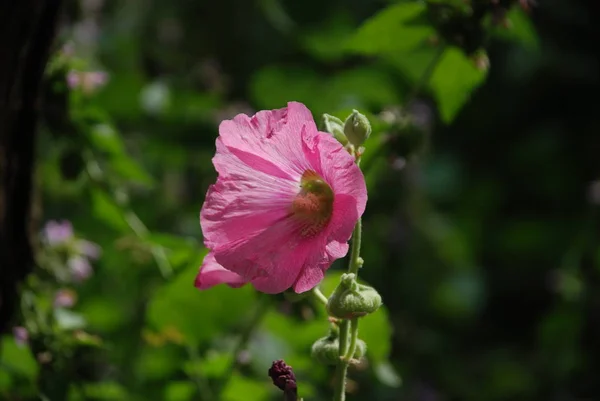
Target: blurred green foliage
478,232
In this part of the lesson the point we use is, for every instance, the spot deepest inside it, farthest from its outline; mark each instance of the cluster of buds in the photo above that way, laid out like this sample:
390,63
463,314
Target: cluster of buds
352,133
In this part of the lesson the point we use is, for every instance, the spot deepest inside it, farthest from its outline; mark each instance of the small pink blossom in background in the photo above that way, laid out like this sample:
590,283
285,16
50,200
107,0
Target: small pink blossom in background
64,298
58,232
68,49
285,202
87,81
21,335
80,268
89,249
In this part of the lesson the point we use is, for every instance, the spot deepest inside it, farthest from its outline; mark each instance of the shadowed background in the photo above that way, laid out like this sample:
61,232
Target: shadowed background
481,231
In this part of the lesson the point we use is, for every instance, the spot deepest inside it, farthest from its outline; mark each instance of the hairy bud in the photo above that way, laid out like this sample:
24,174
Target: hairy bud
351,299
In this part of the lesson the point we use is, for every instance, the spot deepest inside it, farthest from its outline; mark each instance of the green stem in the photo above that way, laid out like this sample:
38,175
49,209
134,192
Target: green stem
342,365
319,295
353,339
355,261
348,327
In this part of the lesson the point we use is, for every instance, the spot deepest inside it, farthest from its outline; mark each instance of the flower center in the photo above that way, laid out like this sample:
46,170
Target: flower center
313,205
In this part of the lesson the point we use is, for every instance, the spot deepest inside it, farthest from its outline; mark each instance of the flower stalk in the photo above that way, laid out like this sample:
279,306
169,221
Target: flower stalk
348,328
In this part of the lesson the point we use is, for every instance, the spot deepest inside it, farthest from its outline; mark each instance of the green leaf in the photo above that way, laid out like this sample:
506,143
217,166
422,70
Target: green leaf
105,138
179,250
107,210
180,391
273,86
520,29
120,97
291,339
216,364
413,63
240,388
398,28
17,358
109,391
327,42
357,88
453,80
199,315
155,363
127,168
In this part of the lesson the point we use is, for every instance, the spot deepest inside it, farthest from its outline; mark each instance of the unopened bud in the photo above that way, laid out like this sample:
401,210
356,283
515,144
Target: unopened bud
335,127
351,299
326,350
360,350
357,128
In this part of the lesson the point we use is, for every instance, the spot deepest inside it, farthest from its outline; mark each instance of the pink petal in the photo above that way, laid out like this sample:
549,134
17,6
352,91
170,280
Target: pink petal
313,273
211,273
340,171
243,202
270,141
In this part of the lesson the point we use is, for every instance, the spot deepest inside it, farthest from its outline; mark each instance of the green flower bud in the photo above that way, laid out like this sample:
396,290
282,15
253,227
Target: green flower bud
326,350
357,128
351,299
360,350
335,127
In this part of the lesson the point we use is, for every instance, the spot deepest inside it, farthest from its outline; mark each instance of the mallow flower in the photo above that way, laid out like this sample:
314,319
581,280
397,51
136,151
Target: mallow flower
284,206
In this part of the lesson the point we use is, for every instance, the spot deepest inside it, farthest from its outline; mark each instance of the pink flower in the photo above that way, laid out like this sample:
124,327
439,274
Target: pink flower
284,205
58,232
64,298
21,335
88,81
80,268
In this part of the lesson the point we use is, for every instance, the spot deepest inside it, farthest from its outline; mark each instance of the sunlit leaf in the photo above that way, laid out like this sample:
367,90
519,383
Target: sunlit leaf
16,358
453,81
240,388
179,391
519,28
198,315
109,391
107,210
398,28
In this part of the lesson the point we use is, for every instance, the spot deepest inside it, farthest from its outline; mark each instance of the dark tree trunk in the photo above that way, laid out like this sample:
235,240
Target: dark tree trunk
27,28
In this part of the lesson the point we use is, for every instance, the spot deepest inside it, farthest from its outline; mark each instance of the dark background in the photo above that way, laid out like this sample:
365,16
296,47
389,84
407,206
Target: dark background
481,231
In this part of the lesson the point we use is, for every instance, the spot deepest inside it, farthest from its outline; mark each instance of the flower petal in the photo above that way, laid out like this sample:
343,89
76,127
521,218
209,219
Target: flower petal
243,202
270,141
211,273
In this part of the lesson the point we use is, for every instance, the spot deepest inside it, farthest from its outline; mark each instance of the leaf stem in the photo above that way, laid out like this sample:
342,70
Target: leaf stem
353,339
318,294
348,327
